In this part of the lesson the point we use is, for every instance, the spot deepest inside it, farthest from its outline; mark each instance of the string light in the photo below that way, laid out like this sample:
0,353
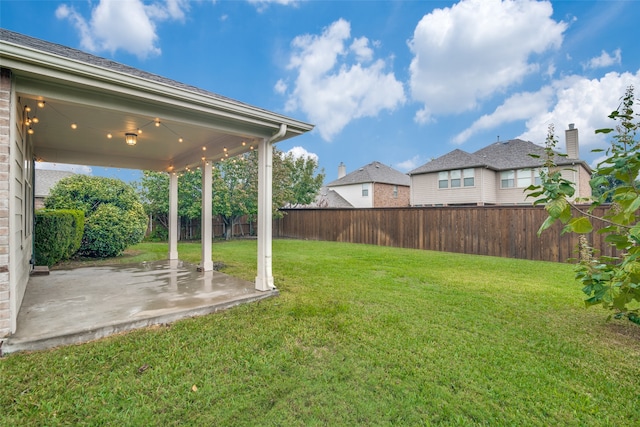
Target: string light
41,104
74,126
109,136
30,131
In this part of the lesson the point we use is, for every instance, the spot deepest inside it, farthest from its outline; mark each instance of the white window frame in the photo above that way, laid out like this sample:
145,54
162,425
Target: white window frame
469,174
365,190
443,179
455,178
508,177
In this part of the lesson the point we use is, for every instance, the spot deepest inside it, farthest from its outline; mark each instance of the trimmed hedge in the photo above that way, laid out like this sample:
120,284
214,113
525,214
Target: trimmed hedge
58,235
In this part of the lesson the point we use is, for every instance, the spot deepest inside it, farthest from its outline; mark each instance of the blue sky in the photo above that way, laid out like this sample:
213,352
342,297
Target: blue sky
400,82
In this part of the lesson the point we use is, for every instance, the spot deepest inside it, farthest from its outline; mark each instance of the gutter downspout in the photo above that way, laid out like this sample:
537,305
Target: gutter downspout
264,278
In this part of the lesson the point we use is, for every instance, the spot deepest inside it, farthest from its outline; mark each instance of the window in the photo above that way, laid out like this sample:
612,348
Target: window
443,179
524,177
365,190
455,178
507,179
536,175
395,191
469,175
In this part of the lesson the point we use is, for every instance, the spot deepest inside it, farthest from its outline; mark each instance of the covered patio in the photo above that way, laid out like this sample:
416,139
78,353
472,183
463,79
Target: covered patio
82,304
67,106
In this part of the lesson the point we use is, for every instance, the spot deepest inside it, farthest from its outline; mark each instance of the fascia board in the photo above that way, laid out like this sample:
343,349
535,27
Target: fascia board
37,62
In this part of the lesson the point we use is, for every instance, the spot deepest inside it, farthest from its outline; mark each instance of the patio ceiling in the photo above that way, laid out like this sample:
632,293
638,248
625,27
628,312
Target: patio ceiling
105,98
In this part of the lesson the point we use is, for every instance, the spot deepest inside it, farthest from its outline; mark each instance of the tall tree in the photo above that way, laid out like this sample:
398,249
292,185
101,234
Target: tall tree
235,188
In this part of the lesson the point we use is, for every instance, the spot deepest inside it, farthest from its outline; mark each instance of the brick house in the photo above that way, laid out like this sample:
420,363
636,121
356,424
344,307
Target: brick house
372,186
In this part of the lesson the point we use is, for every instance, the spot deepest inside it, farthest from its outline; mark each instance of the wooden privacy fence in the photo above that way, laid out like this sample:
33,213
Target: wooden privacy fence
504,231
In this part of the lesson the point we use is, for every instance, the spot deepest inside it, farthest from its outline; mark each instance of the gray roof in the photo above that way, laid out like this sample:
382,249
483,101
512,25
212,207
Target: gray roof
329,198
47,179
504,155
373,172
80,56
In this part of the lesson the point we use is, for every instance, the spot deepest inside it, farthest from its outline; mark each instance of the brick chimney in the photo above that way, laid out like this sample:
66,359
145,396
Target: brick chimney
342,170
571,138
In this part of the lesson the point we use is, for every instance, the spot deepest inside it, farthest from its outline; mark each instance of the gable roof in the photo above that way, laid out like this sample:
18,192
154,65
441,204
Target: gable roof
46,179
373,172
504,155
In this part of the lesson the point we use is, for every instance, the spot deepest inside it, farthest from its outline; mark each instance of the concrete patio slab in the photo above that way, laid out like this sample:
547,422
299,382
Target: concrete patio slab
83,304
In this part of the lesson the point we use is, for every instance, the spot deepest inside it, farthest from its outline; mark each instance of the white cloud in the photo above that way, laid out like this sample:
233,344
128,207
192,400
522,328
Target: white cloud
85,170
298,152
520,106
411,163
360,47
586,103
605,60
466,53
280,87
123,25
573,99
262,5
332,89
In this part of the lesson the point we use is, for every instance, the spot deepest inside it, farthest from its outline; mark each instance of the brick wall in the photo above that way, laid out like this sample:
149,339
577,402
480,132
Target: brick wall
383,196
5,142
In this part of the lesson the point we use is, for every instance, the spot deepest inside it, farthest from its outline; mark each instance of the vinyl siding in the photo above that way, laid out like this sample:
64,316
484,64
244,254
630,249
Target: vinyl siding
20,213
353,194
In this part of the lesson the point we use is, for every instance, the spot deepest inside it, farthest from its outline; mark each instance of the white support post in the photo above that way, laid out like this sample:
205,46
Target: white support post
264,279
173,216
206,264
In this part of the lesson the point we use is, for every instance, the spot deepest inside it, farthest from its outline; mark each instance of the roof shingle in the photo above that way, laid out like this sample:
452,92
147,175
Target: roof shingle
373,172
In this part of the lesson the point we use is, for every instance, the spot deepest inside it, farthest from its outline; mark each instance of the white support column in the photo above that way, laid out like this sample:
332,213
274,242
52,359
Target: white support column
264,279
173,216
206,264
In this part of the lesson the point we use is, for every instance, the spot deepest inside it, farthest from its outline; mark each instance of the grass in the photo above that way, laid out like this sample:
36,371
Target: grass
360,335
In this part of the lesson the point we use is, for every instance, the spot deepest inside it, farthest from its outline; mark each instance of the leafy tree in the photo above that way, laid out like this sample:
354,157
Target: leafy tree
114,216
613,282
304,181
154,192
235,188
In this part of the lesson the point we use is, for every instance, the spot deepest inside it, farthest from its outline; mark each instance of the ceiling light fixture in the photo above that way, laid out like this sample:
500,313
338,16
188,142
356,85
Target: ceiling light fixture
131,138
157,122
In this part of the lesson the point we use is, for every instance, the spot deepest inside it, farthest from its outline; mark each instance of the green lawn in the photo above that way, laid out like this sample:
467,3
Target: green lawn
360,335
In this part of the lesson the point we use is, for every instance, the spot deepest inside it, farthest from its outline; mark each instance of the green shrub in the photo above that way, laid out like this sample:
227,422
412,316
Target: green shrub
114,218
58,234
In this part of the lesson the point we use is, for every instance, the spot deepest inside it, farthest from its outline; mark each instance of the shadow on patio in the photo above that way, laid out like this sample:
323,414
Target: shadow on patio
82,304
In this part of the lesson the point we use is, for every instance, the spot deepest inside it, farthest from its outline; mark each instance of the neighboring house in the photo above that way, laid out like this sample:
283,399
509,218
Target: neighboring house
45,180
372,186
495,175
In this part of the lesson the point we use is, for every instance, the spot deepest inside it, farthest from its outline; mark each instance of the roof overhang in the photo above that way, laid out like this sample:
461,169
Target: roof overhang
104,101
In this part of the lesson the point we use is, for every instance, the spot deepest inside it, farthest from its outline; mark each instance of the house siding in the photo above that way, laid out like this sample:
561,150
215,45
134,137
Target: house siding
21,212
5,142
383,196
487,189
353,194
425,191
